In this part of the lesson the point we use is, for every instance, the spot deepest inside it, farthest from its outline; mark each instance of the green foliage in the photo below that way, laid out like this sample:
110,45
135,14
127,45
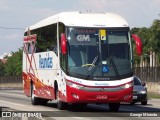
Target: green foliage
2,68
150,38
14,64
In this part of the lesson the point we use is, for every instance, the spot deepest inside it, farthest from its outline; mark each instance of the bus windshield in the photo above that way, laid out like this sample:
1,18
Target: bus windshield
99,54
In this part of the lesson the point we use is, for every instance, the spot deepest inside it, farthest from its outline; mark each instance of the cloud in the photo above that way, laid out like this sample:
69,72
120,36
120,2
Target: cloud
101,5
154,4
13,36
157,2
3,5
96,4
42,12
10,42
93,5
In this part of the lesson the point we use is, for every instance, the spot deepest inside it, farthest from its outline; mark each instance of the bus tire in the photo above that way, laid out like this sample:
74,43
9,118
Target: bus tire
43,101
114,107
60,104
34,99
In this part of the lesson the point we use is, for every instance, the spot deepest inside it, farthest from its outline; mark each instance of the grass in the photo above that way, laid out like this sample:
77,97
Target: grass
153,95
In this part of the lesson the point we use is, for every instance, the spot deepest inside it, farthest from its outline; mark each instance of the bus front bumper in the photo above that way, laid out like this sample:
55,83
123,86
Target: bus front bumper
98,95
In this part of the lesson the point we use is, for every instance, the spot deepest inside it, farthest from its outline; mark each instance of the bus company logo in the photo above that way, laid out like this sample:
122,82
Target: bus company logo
45,62
83,38
102,89
101,84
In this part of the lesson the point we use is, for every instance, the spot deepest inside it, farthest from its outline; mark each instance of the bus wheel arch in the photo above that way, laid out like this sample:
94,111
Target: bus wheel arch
60,104
34,99
55,88
31,87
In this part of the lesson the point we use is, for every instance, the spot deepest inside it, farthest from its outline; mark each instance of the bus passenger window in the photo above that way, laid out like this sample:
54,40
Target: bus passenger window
55,49
29,48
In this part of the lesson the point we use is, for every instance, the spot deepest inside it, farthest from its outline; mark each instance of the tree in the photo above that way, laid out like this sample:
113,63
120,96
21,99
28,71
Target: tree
14,64
151,41
156,39
2,68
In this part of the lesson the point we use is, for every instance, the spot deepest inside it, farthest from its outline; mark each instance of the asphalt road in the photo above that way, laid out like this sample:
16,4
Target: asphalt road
15,100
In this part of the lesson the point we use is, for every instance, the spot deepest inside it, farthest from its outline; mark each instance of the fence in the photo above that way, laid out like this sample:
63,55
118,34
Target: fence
148,74
11,79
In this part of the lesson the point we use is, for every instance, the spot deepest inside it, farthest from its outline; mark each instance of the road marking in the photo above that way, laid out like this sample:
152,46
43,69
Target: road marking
12,103
21,95
80,118
15,91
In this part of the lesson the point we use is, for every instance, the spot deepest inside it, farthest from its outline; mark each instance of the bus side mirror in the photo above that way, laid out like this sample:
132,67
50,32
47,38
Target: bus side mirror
138,44
63,44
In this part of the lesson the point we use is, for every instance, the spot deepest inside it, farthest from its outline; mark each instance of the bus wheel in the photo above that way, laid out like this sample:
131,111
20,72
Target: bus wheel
114,107
61,105
34,100
43,101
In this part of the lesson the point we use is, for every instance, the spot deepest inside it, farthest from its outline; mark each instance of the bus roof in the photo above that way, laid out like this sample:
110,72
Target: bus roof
83,20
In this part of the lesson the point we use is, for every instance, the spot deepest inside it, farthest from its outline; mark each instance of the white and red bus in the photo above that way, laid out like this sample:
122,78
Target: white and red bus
79,58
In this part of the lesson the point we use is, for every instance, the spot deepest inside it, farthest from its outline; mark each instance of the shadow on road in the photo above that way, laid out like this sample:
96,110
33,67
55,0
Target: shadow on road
93,110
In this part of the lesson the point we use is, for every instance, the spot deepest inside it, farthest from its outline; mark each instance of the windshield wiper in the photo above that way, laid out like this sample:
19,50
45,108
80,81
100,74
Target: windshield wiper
114,66
91,67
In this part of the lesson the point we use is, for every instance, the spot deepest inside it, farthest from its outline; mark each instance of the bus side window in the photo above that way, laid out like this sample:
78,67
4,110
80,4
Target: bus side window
55,49
29,48
54,37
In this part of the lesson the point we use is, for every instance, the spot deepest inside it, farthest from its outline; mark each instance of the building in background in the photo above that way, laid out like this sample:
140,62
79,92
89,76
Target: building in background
3,58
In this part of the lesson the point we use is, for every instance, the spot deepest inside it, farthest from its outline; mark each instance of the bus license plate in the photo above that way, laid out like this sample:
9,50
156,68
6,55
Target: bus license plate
101,97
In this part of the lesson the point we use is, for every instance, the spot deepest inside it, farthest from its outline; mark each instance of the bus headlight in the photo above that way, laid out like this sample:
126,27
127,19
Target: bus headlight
74,85
128,85
77,86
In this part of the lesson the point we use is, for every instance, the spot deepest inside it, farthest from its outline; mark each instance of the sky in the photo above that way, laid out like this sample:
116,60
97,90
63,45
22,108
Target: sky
23,13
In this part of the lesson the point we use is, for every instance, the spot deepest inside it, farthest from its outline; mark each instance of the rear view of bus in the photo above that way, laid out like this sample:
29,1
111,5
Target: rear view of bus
95,60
